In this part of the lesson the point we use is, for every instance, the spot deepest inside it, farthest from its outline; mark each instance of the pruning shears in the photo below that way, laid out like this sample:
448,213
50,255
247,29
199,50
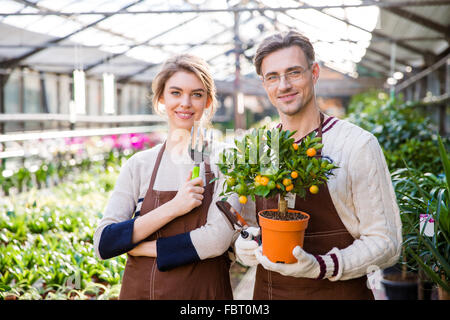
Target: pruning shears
236,220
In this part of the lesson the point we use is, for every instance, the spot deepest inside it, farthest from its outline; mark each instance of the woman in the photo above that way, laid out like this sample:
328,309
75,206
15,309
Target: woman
177,240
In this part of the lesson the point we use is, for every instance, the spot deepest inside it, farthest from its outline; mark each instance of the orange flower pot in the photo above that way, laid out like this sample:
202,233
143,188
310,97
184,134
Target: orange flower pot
280,237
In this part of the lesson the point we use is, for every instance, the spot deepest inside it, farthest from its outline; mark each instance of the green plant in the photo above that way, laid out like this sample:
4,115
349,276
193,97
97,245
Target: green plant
267,163
46,241
402,130
422,193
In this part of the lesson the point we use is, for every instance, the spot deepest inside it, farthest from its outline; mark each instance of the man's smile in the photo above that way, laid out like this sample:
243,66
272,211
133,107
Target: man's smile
287,97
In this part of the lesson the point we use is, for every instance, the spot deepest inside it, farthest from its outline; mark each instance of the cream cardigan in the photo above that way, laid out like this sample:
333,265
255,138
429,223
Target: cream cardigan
362,193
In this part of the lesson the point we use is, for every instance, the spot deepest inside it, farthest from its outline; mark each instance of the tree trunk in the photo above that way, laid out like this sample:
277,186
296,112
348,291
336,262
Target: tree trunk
282,207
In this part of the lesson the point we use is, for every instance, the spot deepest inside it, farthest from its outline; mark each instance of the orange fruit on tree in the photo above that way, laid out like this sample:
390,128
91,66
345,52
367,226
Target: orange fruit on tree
289,187
264,181
311,152
287,182
243,199
278,186
258,178
294,174
295,146
314,189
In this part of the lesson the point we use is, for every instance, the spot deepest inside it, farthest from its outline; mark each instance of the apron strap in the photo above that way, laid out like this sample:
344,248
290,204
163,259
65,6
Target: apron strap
208,171
322,117
157,163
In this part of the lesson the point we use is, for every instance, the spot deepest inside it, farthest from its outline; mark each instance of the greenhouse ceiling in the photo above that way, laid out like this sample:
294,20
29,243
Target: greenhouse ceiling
131,38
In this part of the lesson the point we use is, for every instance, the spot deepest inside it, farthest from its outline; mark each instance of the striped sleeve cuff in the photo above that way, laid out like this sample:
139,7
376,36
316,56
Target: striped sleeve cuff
335,254
116,239
175,251
329,265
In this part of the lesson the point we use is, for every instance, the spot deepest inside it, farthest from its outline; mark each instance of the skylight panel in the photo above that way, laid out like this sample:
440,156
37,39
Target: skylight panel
104,6
22,21
148,54
207,52
9,6
92,37
67,28
55,5
47,24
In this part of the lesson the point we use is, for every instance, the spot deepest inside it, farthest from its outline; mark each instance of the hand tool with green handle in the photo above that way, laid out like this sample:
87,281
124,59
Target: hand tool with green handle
199,148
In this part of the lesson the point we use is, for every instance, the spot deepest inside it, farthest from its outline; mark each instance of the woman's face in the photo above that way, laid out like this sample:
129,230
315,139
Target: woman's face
185,98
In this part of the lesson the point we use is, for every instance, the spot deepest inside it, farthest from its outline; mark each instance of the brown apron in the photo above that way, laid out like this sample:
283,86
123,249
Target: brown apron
325,231
206,279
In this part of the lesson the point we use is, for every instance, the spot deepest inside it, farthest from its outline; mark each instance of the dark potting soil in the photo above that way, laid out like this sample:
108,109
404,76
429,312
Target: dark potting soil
275,215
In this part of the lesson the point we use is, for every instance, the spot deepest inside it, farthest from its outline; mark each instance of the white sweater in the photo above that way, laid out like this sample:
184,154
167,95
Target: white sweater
210,240
362,193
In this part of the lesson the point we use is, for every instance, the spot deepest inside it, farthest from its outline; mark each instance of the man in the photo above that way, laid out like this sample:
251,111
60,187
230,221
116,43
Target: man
355,222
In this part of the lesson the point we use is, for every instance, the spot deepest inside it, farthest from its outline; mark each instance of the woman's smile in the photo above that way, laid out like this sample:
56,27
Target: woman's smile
184,115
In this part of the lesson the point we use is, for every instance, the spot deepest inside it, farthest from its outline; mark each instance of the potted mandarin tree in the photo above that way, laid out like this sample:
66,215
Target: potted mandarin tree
267,163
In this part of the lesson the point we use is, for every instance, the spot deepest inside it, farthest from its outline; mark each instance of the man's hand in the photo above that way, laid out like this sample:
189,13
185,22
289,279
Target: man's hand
307,266
245,248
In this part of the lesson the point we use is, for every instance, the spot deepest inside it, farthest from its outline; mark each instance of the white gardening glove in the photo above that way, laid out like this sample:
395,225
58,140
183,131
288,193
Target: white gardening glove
307,266
245,248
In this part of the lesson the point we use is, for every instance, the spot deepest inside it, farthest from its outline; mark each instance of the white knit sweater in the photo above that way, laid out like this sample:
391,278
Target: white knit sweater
363,195
210,240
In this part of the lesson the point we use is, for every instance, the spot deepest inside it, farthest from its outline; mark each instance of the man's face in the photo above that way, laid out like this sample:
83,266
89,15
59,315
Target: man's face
289,80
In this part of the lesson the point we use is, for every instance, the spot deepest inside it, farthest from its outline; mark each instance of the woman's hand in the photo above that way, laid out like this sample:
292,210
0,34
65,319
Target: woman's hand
145,249
189,196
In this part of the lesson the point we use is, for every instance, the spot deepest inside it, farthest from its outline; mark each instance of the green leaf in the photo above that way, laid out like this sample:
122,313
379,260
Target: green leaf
262,191
442,261
430,272
445,162
213,179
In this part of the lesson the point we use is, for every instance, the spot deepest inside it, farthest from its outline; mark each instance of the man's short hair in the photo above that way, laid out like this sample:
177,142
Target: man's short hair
280,41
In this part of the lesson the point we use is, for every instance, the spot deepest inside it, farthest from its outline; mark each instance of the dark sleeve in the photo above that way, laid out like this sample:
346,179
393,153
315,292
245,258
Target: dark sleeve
116,239
175,251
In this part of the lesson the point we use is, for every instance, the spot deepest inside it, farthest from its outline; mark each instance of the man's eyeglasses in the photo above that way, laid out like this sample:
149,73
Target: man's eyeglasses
273,79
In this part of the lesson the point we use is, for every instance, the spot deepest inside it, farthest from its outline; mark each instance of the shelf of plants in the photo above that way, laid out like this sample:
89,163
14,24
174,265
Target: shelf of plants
46,232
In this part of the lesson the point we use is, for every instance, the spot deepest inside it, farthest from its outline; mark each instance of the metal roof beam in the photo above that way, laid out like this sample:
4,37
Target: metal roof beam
388,57
389,4
375,39
97,27
151,65
379,63
426,54
425,22
95,64
15,61
383,73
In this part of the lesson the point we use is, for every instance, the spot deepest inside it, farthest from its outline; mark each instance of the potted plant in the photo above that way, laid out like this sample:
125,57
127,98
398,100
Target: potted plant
431,249
267,163
424,202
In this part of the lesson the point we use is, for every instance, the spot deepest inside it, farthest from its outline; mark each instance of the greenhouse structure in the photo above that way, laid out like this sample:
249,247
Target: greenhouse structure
76,104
